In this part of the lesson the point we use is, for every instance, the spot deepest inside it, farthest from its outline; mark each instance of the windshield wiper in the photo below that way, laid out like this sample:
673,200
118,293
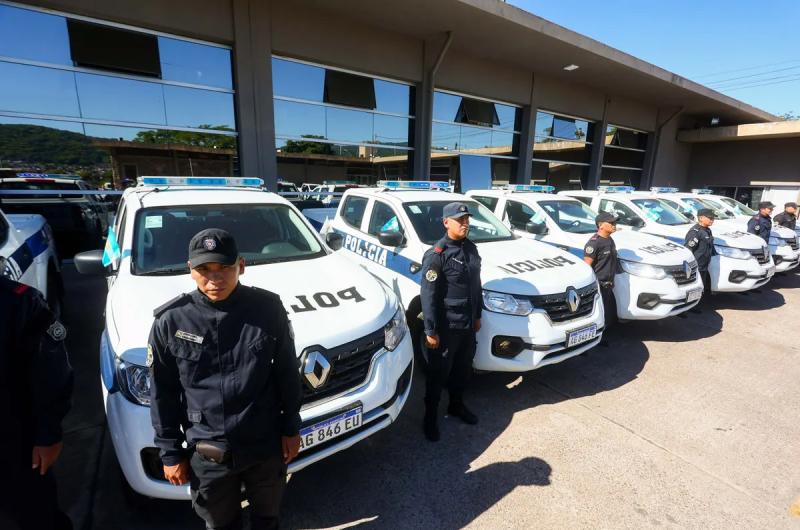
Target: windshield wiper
165,272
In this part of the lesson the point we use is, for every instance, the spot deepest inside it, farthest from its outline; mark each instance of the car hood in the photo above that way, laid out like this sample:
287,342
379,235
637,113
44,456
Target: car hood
357,304
24,225
725,235
528,267
633,246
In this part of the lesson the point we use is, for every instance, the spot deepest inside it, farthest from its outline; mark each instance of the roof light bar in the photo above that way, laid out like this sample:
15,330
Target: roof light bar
46,176
703,191
664,189
200,181
414,184
521,188
616,189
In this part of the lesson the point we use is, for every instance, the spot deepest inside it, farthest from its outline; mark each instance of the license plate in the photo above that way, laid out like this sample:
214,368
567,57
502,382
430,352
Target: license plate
579,336
694,294
330,428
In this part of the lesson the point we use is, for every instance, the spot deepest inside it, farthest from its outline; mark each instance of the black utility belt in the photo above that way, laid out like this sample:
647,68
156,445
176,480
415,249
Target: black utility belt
217,452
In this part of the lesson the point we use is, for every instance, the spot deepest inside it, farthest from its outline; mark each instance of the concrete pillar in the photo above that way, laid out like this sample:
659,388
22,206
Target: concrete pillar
649,159
598,148
433,52
527,135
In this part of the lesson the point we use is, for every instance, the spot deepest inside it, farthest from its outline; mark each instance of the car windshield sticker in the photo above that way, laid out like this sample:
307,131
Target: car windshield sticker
153,221
529,265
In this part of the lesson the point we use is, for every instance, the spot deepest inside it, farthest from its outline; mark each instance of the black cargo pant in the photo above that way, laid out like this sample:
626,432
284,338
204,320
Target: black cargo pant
609,303
217,492
449,365
706,277
28,500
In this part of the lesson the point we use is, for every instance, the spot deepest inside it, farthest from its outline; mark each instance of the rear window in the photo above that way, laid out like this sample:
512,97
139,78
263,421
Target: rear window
41,185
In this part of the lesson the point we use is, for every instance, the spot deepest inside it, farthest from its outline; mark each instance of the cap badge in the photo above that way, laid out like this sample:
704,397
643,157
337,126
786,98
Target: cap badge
209,243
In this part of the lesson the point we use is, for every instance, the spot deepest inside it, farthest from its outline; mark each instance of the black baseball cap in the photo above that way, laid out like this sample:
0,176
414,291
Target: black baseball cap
765,204
454,210
212,245
706,212
790,205
606,217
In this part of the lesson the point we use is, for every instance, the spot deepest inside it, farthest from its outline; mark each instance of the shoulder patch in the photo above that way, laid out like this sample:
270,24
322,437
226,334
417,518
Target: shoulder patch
149,361
589,249
175,302
57,331
21,288
431,275
438,250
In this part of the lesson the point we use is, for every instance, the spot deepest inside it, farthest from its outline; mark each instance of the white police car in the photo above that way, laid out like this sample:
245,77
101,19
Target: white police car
541,304
660,277
350,330
28,255
743,261
783,242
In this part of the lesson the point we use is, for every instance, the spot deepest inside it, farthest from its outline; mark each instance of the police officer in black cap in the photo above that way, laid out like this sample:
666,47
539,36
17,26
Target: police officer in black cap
35,392
600,253
788,217
225,380
700,241
451,308
761,223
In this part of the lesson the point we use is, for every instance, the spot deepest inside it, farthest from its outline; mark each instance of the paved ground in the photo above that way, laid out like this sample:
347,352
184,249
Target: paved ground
684,423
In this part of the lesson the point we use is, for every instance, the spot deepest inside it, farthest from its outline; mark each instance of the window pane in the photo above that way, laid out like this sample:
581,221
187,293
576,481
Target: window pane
161,136
349,90
621,177
445,137
618,136
392,97
297,80
622,157
475,139
544,124
299,119
383,219
105,47
190,107
445,106
547,148
391,130
503,141
475,173
38,90
562,176
353,210
45,146
110,98
348,125
508,116
32,35
195,63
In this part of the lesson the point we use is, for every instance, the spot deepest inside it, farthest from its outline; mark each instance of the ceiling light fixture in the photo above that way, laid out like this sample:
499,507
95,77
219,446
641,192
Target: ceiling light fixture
571,67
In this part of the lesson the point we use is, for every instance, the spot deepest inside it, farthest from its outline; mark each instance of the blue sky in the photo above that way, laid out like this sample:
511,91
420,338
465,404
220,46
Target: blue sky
747,49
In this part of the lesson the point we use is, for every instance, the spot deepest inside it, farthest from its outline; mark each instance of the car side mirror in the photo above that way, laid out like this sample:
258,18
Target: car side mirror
638,223
539,229
334,240
391,239
91,263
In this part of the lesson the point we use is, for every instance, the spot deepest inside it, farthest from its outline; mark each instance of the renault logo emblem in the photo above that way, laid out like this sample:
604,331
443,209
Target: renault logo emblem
687,269
573,300
316,369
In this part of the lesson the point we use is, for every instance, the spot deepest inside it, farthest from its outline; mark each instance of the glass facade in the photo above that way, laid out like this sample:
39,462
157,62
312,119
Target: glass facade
623,157
336,125
465,127
102,121
562,151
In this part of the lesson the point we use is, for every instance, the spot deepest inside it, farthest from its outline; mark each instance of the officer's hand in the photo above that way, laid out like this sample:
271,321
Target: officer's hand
177,474
45,456
477,325
291,447
432,341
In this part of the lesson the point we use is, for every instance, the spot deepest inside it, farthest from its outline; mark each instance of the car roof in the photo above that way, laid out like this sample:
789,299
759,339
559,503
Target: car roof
59,180
151,196
399,197
533,195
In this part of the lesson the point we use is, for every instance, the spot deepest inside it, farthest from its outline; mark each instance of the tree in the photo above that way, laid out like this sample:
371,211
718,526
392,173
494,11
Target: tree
791,115
163,136
312,148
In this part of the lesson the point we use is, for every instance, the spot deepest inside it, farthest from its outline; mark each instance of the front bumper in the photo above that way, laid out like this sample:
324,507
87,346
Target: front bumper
672,297
382,396
785,258
545,341
730,275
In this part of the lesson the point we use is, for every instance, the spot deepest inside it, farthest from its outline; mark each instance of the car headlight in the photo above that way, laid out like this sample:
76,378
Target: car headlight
644,270
730,252
395,329
134,382
506,303
777,242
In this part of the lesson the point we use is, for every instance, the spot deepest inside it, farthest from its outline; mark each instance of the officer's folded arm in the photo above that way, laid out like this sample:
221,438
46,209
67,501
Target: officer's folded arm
291,393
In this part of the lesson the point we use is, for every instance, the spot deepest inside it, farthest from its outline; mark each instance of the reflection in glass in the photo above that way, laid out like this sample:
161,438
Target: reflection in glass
37,90
390,130
475,172
620,177
548,148
392,97
348,125
297,80
299,119
71,126
26,34
507,115
563,127
445,106
190,107
46,146
445,137
620,137
111,98
562,176
503,141
475,139
199,64
160,136
623,157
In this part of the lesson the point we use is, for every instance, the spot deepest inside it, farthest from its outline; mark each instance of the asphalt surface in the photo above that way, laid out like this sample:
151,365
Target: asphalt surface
682,423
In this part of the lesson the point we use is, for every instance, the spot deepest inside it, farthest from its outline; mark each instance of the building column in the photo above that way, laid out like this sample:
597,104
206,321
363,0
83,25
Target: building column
254,108
527,137
649,161
598,148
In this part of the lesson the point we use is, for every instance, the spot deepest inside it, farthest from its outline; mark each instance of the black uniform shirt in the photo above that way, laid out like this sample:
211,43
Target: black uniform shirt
700,241
35,374
786,219
226,371
603,252
760,225
451,286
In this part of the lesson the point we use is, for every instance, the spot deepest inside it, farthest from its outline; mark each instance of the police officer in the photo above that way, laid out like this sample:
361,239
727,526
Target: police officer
700,241
451,308
35,391
761,223
225,380
600,253
788,217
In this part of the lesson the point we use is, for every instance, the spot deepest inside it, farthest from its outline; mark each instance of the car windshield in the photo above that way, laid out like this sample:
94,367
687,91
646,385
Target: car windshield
287,187
720,211
738,207
661,211
264,233
426,217
571,216
697,204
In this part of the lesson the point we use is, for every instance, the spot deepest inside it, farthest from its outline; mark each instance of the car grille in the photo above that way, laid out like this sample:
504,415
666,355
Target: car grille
760,255
557,307
350,365
679,275
792,242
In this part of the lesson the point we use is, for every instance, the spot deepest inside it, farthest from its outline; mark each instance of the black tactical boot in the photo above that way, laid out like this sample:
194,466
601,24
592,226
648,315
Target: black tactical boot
458,410
431,423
